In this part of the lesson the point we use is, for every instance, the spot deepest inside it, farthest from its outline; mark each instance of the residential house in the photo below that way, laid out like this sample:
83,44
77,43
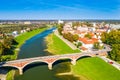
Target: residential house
68,28
88,43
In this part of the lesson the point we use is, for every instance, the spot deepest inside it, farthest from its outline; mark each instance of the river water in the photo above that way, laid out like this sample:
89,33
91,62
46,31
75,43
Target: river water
35,47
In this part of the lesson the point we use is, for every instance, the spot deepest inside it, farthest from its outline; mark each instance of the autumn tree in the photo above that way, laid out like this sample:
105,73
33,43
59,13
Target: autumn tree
70,37
60,28
75,37
115,53
77,24
88,36
97,45
1,48
112,38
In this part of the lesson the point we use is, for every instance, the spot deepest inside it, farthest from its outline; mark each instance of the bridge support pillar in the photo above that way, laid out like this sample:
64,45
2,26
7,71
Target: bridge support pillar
73,62
20,71
50,66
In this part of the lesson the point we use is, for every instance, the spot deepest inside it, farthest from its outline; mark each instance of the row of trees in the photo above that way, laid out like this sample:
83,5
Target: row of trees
113,38
6,46
71,37
60,28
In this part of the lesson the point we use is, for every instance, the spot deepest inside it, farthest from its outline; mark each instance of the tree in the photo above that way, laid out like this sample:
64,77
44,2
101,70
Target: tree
77,24
68,36
88,36
115,53
60,30
1,50
103,37
96,45
88,24
113,38
79,44
75,37
7,43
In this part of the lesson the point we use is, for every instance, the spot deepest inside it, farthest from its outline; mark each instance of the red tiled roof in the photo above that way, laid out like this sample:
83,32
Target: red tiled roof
95,39
92,34
80,32
88,41
83,48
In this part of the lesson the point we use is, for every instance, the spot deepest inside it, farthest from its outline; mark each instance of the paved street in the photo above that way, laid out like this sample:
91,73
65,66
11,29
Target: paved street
115,64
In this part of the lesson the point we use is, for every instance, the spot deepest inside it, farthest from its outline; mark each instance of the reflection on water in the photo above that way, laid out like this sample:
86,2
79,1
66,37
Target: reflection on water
39,71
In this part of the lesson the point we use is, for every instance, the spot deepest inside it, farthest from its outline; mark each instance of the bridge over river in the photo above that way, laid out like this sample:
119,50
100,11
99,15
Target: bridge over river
21,63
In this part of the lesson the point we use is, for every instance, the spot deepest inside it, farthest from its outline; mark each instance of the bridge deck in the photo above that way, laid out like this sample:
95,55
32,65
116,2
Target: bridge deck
55,56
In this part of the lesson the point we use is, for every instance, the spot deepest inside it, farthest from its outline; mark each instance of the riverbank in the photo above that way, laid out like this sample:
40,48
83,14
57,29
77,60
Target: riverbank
86,68
21,40
71,45
57,46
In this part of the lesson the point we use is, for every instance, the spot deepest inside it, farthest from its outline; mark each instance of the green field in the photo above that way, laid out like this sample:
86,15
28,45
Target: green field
95,69
57,46
86,68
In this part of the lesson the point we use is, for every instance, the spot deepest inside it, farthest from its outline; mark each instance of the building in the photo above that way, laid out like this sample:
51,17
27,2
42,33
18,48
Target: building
88,43
60,22
82,29
27,22
15,33
68,28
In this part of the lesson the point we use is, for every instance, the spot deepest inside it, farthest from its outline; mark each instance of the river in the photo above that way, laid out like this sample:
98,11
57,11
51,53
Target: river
35,47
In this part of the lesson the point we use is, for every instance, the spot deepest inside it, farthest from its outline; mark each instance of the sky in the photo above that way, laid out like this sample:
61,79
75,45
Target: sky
59,9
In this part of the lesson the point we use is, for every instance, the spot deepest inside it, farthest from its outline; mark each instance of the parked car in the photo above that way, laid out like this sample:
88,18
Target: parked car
111,62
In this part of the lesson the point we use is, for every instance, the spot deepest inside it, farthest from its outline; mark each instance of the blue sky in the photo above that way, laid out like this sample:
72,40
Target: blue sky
59,9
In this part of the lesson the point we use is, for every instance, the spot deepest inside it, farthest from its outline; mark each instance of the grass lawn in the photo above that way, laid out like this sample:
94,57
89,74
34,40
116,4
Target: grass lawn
10,75
57,46
95,69
86,68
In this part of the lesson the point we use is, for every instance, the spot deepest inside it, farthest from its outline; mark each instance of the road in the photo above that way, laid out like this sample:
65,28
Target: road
115,64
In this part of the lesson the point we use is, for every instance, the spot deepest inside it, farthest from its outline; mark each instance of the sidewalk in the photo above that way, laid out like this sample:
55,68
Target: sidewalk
71,45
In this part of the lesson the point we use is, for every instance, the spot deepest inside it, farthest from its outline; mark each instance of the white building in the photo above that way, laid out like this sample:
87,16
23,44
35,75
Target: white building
27,22
60,22
15,33
82,29
88,43
23,31
68,28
